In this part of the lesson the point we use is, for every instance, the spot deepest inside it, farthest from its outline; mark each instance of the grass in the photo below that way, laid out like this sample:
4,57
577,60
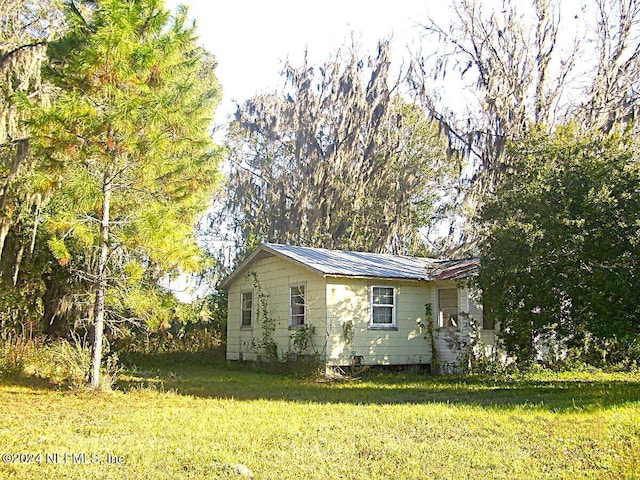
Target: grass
198,421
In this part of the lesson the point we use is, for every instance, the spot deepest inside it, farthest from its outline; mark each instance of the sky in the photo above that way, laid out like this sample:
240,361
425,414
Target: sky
251,39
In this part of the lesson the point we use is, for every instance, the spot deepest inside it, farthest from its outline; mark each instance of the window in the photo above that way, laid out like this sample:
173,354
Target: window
383,307
246,309
448,307
297,305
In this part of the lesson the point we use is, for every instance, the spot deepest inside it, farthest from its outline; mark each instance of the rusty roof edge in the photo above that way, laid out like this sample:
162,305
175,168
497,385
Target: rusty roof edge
456,269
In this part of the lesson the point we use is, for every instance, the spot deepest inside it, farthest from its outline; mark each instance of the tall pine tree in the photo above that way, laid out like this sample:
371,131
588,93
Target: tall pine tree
130,133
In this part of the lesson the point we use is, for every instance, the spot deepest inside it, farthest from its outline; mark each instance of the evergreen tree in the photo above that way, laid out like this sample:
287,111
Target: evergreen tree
130,136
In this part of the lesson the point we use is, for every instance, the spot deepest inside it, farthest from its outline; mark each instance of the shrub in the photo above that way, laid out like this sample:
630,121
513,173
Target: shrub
186,338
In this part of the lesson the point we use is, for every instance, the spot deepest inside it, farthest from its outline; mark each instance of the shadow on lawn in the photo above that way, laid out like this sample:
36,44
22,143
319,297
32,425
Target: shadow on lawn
32,382
546,395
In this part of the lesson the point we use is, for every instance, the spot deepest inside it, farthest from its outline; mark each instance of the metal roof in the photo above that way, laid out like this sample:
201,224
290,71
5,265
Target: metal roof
354,264
342,263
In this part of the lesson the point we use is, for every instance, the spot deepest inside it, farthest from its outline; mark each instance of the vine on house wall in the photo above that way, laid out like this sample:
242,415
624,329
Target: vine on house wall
303,337
429,330
267,322
468,342
347,332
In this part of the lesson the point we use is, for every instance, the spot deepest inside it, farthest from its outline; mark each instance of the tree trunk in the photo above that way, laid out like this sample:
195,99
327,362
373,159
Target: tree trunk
101,285
4,230
18,262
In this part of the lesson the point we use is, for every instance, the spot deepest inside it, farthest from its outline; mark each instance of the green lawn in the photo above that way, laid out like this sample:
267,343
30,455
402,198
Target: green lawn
199,422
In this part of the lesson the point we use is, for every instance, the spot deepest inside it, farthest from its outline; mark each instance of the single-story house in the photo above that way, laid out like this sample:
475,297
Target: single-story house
353,308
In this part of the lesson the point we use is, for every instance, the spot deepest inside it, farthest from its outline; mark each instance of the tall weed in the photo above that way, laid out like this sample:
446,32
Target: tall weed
61,362
13,350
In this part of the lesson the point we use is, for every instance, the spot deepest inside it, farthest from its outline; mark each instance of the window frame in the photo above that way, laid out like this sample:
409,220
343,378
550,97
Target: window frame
292,287
243,309
383,326
441,322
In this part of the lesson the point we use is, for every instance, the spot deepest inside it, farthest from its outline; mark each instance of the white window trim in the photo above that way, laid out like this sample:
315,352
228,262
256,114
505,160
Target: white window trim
242,294
305,318
384,326
440,317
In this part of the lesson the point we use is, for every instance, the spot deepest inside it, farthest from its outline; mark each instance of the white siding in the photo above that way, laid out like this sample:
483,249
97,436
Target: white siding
447,340
275,277
340,310
350,334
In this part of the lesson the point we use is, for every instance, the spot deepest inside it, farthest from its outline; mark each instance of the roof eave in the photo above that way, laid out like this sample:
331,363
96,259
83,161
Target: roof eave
224,285
262,248
457,272
371,277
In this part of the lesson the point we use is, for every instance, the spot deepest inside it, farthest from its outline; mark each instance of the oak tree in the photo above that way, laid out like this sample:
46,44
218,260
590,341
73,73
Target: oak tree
336,159
26,26
518,65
